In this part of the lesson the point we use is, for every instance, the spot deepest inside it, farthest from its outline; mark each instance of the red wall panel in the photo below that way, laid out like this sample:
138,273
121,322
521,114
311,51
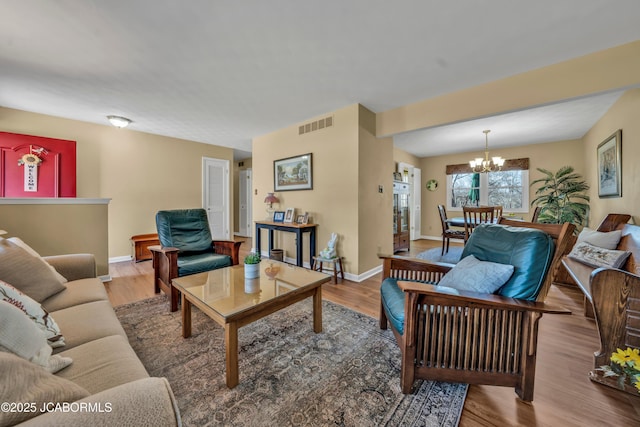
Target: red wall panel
56,173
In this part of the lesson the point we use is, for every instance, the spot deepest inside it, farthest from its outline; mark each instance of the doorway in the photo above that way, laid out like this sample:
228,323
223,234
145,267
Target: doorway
215,196
244,203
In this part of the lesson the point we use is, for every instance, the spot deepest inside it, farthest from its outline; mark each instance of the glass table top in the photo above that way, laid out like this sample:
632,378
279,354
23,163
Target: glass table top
227,292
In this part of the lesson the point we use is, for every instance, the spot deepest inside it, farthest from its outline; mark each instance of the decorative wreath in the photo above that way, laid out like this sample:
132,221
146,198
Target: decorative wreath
29,159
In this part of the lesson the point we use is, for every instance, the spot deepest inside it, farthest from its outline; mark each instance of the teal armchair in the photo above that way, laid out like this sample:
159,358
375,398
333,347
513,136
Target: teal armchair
186,247
453,334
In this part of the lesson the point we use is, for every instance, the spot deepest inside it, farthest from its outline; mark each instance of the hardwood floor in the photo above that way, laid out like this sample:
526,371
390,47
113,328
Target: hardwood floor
564,396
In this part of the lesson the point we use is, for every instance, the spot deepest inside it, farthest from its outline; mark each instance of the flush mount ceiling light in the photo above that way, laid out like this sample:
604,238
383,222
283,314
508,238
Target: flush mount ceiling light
119,122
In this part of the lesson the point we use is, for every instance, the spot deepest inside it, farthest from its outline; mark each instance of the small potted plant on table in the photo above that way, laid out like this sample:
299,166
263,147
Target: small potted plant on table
252,265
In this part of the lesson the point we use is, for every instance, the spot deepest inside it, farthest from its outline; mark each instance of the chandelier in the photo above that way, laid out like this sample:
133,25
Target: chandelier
480,165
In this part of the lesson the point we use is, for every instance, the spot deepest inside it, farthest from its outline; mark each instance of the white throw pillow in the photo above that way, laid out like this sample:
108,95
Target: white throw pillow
595,256
34,311
608,240
20,336
471,274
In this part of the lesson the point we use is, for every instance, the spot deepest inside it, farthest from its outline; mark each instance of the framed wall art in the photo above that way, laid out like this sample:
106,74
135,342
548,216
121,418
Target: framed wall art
293,173
610,166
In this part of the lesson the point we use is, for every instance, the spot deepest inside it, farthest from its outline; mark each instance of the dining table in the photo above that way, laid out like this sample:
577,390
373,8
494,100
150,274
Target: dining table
458,221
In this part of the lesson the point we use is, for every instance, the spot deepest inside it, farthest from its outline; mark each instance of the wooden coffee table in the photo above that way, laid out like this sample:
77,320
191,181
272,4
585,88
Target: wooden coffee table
231,301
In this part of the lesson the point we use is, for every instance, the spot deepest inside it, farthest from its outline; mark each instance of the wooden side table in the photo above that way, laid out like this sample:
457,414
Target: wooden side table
141,244
336,263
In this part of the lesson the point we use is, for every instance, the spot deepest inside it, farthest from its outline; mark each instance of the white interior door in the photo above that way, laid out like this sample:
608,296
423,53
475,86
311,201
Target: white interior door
215,196
244,196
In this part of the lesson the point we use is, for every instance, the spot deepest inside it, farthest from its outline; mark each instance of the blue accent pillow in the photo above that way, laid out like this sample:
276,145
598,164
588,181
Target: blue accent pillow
471,274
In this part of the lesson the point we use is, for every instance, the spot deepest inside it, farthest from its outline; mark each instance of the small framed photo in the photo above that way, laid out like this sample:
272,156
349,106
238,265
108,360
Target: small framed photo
288,216
302,218
278,216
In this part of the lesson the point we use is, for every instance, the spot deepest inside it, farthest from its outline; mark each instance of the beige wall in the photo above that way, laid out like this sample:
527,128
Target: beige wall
333,201
348,165
549,156
142,173
57,229
607,70
401,156
624,114
375,213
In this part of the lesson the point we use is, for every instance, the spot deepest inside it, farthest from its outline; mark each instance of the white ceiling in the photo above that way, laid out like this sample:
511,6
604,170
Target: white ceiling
223,72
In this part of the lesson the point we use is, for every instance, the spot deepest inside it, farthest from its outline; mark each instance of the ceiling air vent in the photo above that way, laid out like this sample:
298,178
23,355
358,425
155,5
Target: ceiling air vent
314,126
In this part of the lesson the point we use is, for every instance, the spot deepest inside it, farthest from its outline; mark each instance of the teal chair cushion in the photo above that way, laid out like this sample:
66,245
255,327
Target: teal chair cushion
530,251
188,230
185,229
393,303
199,262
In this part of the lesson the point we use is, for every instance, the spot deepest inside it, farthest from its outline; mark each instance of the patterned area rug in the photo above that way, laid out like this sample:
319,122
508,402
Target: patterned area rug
348,375
451,257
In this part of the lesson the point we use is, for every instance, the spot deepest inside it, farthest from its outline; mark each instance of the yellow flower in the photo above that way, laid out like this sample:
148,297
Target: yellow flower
637,383
627,357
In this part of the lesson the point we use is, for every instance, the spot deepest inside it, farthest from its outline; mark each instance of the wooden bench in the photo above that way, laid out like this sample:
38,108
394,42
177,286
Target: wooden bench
612,296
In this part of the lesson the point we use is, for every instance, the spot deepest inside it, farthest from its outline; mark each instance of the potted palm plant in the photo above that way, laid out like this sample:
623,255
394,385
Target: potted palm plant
562,197
252,265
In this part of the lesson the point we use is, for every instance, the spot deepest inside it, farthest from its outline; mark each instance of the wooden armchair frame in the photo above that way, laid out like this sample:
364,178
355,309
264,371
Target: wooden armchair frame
467,337
165,265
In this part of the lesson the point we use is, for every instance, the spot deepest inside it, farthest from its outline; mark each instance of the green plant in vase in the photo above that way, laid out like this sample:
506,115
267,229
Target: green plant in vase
252,265
562,197
252,258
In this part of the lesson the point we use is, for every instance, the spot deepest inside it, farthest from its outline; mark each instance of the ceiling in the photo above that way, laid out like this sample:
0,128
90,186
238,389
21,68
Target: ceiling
223,72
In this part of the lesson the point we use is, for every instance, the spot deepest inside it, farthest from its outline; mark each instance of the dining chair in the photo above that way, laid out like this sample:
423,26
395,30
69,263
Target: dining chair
497,212
474,216
536,214
447,232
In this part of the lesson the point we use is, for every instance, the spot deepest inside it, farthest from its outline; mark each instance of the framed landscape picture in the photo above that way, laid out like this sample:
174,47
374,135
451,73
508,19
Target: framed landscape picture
293,173
610,166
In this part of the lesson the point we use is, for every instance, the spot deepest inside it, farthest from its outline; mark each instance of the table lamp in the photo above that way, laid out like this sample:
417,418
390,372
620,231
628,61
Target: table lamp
270,200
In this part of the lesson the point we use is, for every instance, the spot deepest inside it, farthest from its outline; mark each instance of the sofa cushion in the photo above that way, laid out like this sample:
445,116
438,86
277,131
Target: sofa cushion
471,274
185,229
607,240
77,292
145,402
103,363
529,251
595,256
20,335
87,322
35,254
198,263
34,311
26,383
28,273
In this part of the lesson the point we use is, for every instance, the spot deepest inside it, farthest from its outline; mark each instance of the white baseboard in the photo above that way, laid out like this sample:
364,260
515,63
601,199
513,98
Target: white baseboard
120,258
106,278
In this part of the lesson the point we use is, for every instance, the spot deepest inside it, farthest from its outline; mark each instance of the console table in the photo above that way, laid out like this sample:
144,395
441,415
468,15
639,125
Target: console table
298,229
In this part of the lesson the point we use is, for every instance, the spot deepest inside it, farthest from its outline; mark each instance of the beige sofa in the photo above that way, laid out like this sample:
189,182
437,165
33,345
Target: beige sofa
103,361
